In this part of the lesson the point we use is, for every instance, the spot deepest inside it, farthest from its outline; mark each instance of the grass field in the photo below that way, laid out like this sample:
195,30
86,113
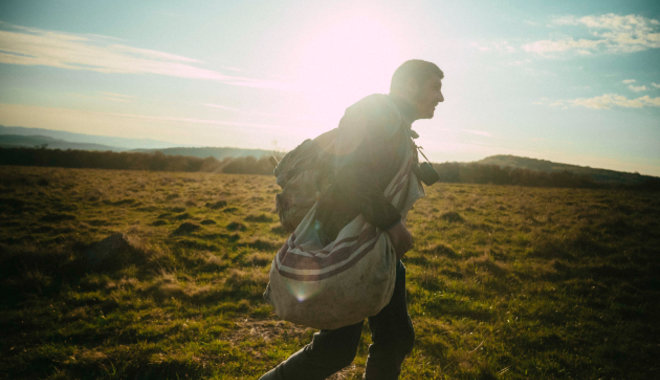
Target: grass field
503,282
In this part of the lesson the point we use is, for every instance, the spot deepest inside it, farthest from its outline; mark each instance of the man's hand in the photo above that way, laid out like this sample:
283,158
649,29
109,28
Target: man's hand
401,239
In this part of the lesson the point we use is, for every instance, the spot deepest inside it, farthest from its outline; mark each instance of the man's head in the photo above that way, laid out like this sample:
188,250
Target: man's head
419,83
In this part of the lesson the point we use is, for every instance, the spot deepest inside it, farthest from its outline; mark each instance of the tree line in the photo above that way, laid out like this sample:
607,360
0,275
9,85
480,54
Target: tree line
449,171
157,161
493,174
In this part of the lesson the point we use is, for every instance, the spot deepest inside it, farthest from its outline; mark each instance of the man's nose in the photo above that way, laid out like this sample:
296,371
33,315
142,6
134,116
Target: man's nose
440,97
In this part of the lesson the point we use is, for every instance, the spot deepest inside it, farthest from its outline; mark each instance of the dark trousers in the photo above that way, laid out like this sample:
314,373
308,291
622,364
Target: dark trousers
392,337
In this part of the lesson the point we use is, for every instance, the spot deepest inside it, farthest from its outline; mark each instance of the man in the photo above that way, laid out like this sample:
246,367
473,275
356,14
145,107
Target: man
373,136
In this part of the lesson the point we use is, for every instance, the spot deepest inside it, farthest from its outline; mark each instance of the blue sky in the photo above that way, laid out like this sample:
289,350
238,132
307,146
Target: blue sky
574,82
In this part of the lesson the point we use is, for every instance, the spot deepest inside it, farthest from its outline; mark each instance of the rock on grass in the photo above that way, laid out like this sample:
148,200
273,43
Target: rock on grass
216,205
236,226
183,216
452,217
186,229
263,218
114,252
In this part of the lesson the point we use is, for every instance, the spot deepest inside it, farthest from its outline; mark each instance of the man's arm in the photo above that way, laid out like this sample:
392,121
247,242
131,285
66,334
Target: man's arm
378,211
401,239
368,152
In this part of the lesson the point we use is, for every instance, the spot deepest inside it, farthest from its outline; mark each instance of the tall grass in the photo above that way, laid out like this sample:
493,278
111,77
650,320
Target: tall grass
125,274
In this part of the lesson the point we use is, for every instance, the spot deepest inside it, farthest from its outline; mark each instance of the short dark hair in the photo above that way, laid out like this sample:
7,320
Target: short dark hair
416,69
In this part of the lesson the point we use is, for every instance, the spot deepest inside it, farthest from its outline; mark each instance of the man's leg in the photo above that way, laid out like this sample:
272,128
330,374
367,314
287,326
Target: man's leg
392,334
329,351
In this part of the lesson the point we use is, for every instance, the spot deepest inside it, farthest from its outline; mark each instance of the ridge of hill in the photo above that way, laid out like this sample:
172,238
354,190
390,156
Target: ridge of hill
37,137
38,141
21,137
603,176
116,143
218,153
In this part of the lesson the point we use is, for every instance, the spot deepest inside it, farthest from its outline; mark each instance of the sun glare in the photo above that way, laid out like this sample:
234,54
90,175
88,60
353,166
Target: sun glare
343,61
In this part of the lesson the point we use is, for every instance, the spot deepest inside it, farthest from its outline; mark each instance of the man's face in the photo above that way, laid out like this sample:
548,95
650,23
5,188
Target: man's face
427,97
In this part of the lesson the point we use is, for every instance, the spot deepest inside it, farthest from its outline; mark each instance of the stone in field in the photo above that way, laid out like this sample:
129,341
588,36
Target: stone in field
113,252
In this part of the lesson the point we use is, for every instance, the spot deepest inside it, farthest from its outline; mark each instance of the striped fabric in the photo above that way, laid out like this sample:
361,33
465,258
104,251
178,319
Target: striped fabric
346,280
301,258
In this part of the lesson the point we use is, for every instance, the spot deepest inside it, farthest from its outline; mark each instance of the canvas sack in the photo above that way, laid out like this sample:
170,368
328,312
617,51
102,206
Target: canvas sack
347,280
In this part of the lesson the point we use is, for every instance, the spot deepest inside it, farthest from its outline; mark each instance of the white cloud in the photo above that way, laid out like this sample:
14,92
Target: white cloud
115,97
494,46
185,130
609,33
544,47
519,62
270,115
36,47
638,88
477,132
178,129
607,101
193,120
220,106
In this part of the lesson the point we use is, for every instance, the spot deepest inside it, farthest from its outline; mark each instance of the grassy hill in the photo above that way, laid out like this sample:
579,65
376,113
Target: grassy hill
215,152
136,274
457,172
36,137
49,142
118,143
603,176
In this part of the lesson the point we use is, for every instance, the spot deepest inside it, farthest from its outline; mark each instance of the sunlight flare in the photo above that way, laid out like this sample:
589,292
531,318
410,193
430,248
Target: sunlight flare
344,60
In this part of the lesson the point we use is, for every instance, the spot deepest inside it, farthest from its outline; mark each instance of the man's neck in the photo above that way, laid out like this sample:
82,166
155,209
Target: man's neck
407,110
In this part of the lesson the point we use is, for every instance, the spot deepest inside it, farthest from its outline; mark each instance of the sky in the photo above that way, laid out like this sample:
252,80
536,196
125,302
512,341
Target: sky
568,81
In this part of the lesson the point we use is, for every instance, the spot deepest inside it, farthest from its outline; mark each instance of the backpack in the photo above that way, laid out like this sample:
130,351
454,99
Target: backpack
303,174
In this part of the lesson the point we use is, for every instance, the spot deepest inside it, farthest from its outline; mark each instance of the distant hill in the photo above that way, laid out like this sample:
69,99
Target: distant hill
51,139
116,143
48,142
217,153
540,172
602,176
